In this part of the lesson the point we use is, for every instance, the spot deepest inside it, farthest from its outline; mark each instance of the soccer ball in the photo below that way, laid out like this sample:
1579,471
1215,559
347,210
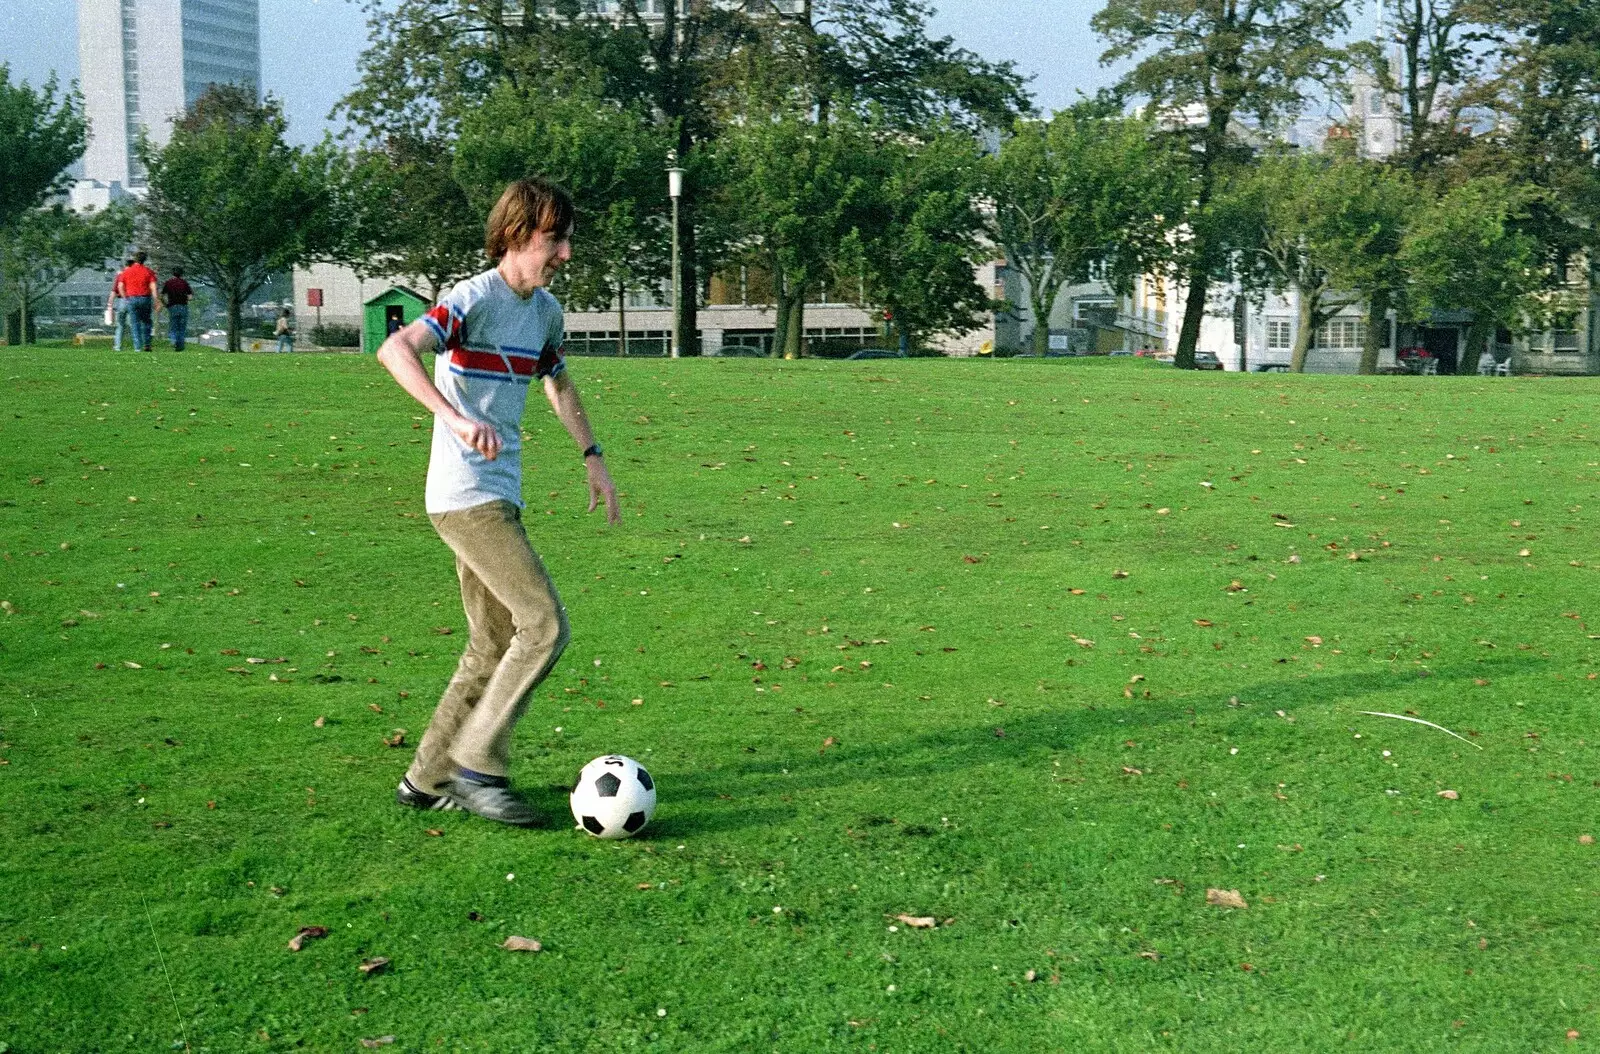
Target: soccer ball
614,797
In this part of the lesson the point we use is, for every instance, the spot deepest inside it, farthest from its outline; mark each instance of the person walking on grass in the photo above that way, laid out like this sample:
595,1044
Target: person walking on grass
284,331
175,294
117,308
500,332
139,288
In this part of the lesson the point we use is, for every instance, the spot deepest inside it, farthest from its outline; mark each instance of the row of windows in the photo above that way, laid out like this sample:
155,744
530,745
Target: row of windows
1335,333
608,342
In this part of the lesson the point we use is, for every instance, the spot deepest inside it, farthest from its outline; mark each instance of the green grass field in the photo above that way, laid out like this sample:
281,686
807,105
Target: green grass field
1043,650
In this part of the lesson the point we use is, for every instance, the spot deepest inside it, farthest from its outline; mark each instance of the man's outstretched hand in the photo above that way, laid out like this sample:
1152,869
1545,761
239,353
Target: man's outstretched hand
601,488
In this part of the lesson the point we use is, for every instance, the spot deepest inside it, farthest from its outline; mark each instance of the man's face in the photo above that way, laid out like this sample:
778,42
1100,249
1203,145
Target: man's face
546,252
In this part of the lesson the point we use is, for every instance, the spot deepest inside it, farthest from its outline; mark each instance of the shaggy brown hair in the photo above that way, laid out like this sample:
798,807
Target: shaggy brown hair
528,205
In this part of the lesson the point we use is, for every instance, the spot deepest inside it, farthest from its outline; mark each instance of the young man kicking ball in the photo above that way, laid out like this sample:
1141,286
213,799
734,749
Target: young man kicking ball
500,332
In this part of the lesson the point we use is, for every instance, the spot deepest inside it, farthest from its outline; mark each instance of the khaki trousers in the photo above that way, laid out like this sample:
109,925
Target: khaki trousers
517,630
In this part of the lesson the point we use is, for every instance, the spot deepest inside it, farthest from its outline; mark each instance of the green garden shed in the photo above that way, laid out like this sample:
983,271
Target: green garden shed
391,309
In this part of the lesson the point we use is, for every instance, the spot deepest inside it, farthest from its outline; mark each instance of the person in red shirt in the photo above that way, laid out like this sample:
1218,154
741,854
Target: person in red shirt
139,290
175,294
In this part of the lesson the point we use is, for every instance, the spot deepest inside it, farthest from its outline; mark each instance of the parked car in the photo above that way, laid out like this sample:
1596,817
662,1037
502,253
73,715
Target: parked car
1271,367
877,353
1207,360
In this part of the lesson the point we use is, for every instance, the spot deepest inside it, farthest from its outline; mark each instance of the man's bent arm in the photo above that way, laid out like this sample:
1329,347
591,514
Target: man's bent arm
401,354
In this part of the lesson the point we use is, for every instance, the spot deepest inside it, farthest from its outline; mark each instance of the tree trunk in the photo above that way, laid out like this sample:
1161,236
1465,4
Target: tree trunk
1194,312
780,324
1478,335
1377,331
1304,330
235,306
622,319
23,334
1043,303
794,344
688,290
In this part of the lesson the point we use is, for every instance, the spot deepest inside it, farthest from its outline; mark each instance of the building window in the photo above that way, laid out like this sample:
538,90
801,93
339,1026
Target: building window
607,342
1341,333
1280,334
1566,341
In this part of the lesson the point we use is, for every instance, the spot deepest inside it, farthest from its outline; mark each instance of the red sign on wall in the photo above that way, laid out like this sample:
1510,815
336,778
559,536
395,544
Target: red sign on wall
313,298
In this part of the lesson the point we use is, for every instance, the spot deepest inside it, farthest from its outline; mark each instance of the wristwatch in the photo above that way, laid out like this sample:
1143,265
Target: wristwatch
594,450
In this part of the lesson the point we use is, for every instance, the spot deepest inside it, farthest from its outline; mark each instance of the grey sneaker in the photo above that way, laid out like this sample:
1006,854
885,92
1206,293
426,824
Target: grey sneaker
494,800
408,794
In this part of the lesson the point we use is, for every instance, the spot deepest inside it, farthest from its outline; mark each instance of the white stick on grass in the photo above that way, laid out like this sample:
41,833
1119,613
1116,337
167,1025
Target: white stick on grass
1418,721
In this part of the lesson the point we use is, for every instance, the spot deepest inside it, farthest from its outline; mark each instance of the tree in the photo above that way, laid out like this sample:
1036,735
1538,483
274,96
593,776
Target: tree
403,213
1463,251
1206,64
1433,41
231,202
434,63
1544,89
44,246
41,133
608,156
800,186
919,236
1084,194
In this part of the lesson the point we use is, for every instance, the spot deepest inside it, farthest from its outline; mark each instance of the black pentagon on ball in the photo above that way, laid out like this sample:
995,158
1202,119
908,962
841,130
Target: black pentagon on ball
644,778
593,826
634,821
607,785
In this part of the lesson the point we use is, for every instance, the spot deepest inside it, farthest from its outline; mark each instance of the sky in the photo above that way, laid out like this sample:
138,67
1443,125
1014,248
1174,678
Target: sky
309,47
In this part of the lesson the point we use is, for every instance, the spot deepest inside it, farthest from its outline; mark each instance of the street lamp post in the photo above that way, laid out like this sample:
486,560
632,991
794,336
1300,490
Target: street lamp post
675,191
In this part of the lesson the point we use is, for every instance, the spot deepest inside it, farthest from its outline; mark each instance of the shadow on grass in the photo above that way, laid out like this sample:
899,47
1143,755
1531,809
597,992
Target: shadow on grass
935,755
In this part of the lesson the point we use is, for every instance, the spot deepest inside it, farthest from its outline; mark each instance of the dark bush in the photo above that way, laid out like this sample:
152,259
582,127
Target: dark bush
334,335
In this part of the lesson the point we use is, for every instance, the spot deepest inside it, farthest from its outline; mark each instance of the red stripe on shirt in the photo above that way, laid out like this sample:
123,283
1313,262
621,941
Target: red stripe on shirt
490,362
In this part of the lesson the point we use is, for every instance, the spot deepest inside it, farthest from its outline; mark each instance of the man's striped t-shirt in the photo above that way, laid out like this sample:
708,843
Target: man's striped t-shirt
492,344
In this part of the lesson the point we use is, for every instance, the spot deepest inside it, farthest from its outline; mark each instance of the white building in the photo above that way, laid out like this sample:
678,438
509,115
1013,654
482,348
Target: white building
143,62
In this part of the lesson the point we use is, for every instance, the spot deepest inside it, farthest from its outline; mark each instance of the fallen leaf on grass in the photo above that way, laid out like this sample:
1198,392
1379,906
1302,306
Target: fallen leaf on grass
434,832
396,740
375,708
1127,771
916,922
131,665
307,933
522,944
1031,976
377,964
374,1044
1234,586
1153,956
319,722
1119,573
1585,839
1225,898
1202,622
443,631
1452,795
829,742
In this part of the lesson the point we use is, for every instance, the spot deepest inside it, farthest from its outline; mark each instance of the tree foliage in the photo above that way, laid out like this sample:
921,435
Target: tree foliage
920,235
1464,250
403,213
1205,64
44,246
1085,194
42,131
231,202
